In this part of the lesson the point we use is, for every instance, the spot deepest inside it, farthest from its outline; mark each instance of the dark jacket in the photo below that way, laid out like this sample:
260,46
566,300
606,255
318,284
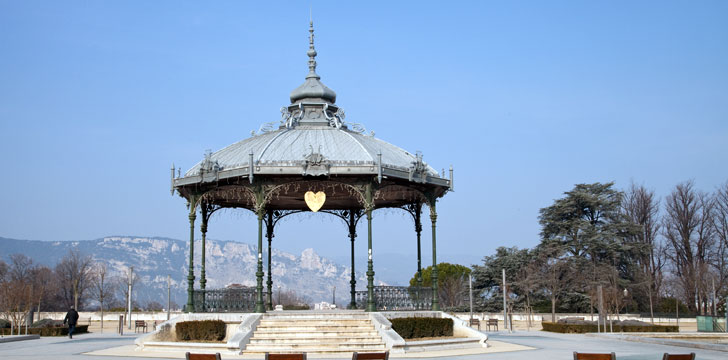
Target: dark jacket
71,317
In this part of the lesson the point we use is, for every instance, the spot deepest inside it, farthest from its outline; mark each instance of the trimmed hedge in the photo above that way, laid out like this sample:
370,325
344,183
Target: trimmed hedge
44,323
4,324
419,327
588,328
203,330
49,331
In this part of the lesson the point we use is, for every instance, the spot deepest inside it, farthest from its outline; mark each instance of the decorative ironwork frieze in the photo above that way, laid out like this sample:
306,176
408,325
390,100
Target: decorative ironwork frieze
394,298
225,300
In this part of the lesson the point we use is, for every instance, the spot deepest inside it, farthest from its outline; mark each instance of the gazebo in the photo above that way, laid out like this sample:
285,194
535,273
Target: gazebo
311,160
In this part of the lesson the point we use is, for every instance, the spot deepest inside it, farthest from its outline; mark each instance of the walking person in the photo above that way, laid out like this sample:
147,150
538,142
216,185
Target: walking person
72,319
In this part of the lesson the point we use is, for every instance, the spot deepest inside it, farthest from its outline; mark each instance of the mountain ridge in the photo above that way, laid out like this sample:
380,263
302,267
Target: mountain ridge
227,262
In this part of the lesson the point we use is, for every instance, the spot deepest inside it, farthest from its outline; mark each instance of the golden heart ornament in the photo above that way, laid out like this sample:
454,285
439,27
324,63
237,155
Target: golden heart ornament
315,200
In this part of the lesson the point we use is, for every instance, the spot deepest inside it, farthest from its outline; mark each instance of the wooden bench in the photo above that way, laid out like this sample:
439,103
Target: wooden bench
667,356
215,356
491,322
475,322
594,356
298,356
370,356
140,324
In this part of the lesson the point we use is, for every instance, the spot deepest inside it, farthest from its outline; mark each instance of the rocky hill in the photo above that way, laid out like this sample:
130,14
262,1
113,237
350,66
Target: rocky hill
227,262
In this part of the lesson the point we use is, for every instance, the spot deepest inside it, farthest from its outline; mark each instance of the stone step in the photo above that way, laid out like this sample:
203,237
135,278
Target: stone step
299,334
313,321
331,327
360,315
345,353
318,340
317,333
313,348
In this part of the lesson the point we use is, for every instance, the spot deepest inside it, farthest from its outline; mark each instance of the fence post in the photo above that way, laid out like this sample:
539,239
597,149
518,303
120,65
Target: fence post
121,324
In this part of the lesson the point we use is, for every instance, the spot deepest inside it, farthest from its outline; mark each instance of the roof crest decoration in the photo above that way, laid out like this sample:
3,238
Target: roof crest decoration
311,54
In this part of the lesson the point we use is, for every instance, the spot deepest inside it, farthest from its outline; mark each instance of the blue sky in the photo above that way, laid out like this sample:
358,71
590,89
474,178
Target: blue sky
524,98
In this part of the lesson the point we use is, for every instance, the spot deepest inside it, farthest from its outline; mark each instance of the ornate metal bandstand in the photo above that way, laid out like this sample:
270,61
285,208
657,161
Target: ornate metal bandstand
311,161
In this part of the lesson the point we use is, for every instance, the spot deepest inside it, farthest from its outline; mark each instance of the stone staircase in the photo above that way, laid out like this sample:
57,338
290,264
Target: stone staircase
334,332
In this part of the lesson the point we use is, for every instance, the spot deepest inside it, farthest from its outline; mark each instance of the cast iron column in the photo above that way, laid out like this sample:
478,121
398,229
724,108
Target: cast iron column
370,265
418,230
352,236
269,233
203,229
259,306
190,307
435,295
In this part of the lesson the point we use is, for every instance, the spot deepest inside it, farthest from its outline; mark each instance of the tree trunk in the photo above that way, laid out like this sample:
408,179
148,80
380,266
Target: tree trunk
75,294
528,312
591,308
652,314
553,309
102,315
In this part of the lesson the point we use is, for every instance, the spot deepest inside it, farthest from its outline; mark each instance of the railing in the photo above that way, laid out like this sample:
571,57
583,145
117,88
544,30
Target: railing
397,298
225,300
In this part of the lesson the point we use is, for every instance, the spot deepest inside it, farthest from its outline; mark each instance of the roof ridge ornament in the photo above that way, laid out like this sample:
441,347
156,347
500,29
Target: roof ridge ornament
312,90
311,54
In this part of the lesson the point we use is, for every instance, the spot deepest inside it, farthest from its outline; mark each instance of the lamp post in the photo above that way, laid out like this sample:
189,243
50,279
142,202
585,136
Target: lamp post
131,274
279,295
334,300
470,282
505,311
169,295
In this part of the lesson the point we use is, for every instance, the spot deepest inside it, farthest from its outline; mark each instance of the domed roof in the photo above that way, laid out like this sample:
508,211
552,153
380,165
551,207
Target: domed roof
292,147
312,139
312,90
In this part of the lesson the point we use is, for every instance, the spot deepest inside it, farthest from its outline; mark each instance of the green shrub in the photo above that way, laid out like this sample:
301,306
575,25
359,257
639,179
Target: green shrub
419,327
296,307
49,331
587,328
204,330
45,323
4,324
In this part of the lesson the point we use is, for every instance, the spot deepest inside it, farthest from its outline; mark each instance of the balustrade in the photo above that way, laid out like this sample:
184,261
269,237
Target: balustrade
225,300
397,298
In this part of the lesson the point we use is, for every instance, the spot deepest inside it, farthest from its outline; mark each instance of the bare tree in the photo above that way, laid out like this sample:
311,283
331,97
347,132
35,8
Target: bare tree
17,289
102,287
4,289
689,231
122,284
554,273
74,275
720,226
527,282
43,284
153,306
452,291
21,267
642,208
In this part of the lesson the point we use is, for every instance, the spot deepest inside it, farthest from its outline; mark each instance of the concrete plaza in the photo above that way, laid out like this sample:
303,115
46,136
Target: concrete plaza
520,345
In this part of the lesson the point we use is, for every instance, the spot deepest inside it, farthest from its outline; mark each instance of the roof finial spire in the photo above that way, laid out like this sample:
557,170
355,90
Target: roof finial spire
311,54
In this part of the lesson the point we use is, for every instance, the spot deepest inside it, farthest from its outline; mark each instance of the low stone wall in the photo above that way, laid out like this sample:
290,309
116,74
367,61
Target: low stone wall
547,317
85,316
